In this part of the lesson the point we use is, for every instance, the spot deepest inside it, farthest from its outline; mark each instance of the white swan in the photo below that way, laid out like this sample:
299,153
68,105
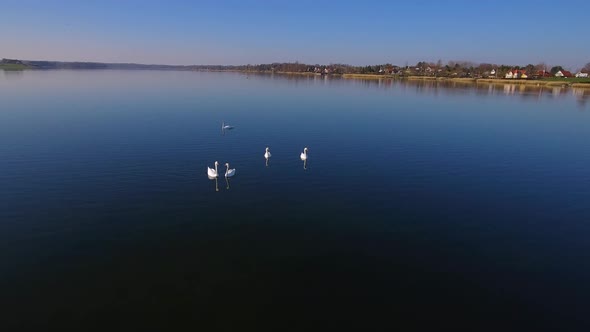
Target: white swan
226,127
212,173
304,154
229,172
266,153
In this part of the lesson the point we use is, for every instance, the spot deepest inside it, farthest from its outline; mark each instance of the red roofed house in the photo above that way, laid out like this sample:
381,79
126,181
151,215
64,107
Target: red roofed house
563,73
515,73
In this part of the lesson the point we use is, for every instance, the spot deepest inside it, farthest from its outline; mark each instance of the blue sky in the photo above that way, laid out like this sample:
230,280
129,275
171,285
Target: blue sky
242,32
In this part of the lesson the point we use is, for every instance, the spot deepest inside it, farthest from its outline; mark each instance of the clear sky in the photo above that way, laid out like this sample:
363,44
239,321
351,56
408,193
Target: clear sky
242,32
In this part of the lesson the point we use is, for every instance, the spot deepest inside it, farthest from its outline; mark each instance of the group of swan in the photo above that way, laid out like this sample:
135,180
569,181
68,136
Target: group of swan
213,173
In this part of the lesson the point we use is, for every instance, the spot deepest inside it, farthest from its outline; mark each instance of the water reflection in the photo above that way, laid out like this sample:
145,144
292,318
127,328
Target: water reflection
530,90
12,74
216,185
226,183
509,89
582,96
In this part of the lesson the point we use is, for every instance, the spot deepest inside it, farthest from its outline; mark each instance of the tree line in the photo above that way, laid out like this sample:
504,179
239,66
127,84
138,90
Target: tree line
422,68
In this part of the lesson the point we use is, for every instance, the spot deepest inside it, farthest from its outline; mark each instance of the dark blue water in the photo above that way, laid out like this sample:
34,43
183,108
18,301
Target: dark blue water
456,205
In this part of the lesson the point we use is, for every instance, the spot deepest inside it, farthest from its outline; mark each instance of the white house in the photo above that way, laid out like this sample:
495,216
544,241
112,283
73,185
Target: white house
563,73
493,72
581,74
515,73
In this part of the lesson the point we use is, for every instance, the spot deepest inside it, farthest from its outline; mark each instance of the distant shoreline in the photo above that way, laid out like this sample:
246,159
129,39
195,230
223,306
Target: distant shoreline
563,82
550,83
553,83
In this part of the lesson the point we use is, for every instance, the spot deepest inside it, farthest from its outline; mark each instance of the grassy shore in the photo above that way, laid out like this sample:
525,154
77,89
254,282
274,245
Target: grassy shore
567,82
304,73
367,76
12,66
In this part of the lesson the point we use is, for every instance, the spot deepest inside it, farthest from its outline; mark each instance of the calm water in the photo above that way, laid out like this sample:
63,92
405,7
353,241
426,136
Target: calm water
457,205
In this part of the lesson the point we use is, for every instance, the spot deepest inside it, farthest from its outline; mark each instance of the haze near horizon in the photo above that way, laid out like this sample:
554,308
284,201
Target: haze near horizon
252,32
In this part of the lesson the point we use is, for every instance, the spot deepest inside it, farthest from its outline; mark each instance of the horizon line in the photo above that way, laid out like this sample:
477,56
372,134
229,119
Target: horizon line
277,62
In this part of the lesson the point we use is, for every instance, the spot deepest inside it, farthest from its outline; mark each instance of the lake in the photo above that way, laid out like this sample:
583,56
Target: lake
420,204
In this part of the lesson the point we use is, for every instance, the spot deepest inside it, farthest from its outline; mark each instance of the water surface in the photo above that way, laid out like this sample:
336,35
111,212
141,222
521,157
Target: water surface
421,203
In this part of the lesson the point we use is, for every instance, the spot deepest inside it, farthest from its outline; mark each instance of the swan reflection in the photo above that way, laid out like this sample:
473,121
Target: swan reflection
212,174
227,183
214,178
